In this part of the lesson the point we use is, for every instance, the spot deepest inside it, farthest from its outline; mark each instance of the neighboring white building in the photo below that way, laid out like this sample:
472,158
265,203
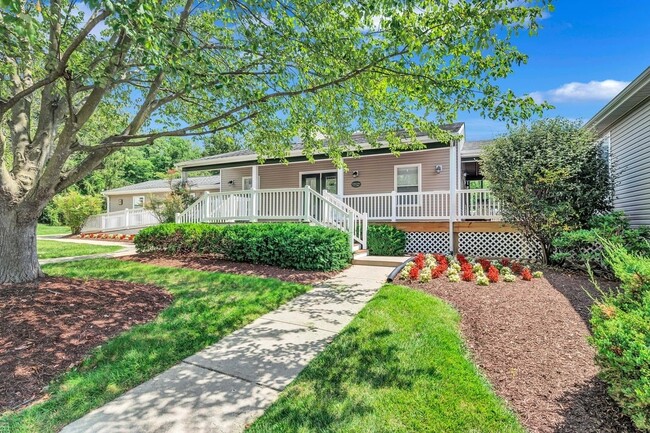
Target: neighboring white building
624,127
135,196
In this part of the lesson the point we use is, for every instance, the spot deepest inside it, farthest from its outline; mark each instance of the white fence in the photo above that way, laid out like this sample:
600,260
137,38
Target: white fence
293,204
120,220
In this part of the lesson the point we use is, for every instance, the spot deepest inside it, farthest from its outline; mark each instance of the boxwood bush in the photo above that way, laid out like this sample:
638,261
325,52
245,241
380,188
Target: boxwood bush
386,240
621,334
287,245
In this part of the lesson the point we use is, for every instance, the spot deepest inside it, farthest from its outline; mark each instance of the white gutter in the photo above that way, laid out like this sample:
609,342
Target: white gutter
621,99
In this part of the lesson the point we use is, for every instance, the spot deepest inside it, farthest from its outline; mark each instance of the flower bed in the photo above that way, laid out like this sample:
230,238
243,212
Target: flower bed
107,236
426,267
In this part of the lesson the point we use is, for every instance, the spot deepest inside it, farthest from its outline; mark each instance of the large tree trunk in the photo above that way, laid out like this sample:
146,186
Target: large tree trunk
18,257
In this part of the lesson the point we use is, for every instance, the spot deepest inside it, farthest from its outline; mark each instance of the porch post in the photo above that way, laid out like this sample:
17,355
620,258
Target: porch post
452,193
393,206
126,217
339,183
254,195
183,177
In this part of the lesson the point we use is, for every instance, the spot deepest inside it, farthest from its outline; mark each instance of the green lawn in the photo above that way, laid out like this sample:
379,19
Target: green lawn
54,249
206,307
43,230
400,366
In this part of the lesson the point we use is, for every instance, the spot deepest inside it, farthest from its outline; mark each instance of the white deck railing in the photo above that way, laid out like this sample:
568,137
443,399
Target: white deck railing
428,205
293,204
478,204
396,206
120,220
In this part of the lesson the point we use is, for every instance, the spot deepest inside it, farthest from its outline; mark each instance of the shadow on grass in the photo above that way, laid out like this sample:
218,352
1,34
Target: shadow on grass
206,307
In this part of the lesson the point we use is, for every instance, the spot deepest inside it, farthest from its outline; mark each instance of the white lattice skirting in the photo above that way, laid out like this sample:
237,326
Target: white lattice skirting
479,244
498,244
427,242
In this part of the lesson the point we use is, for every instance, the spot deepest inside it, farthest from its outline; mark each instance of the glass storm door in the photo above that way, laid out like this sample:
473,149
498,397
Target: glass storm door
319,182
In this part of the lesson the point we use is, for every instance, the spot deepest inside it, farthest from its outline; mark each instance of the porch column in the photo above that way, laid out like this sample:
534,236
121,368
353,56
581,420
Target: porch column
453,170
108,204
254,187
339,183
183,177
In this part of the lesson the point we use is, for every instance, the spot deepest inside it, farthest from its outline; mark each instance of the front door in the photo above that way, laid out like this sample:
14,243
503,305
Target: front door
321,181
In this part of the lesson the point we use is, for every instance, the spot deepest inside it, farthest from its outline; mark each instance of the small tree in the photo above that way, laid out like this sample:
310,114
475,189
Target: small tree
178,199
550,177
75,209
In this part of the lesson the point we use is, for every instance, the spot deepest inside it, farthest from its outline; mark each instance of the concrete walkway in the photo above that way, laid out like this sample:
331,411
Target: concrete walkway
128,249
226,386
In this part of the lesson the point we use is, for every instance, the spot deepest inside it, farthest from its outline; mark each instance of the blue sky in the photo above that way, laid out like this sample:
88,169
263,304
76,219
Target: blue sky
600,45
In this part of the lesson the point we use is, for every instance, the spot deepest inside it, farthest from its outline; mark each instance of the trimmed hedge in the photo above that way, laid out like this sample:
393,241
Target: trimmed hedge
287,245
621,335
385,240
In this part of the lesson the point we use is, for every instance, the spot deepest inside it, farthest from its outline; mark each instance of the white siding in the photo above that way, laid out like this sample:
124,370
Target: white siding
630,151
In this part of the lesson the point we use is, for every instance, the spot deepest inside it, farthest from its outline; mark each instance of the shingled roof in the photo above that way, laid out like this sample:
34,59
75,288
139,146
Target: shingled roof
162,185
251,155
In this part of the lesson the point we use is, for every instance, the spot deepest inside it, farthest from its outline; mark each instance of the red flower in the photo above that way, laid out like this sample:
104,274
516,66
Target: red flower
466,267
419,261
441,261
526,275
467,275
485,264
461,258
505,262
437,272
414,273
516,267
493,274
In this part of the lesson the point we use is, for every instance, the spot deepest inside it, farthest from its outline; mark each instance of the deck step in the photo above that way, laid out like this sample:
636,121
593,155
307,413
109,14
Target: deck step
378,261
359,253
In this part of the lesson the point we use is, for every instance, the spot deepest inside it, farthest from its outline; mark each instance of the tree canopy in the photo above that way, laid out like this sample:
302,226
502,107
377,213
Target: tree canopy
83,79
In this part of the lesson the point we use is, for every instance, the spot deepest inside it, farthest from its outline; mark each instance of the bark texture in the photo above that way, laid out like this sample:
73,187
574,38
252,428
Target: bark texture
18,256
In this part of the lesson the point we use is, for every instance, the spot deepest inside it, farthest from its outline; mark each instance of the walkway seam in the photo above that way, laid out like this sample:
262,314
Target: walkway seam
302,325
230,375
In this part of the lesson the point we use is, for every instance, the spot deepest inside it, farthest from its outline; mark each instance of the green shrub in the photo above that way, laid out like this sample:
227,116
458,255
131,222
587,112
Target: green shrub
287,245
51,215
579,248
621,334
385,240
75,209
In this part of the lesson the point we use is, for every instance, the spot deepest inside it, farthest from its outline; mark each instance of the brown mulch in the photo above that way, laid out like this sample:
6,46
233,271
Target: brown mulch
51,325
212,263
530,339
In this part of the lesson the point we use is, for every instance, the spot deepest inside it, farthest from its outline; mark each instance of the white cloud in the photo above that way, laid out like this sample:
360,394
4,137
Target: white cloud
581,92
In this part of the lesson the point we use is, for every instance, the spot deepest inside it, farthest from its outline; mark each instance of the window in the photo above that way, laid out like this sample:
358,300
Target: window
246,183
407,179
138,202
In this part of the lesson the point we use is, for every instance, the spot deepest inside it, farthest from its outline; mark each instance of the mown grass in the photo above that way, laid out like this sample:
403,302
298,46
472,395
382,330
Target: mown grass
206,307
44,230
55,249
400,366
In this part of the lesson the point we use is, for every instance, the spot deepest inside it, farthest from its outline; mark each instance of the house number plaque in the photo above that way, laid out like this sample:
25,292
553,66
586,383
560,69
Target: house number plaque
356,184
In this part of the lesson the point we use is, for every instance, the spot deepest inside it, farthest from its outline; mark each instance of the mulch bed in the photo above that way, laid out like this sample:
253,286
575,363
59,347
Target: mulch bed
51,325
212,263
530,339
